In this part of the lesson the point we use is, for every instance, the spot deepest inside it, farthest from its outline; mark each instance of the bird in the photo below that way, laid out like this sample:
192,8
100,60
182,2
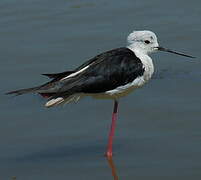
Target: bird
109,75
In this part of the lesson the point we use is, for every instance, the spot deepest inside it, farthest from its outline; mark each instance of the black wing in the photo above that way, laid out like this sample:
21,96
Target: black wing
59,75
106,71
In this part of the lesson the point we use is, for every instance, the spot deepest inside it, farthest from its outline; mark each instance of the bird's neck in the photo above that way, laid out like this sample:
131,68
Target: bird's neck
137,49
146,61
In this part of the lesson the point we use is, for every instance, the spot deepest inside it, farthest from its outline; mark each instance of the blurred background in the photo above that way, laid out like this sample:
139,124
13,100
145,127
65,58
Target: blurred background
158,131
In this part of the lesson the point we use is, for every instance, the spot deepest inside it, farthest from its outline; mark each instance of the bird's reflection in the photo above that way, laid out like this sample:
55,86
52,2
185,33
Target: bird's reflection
112,167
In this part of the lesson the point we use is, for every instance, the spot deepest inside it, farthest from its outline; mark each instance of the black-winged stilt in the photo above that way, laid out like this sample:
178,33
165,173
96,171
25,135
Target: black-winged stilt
112,74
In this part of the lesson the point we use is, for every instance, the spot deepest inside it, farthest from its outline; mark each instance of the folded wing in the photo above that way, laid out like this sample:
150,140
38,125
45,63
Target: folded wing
105,72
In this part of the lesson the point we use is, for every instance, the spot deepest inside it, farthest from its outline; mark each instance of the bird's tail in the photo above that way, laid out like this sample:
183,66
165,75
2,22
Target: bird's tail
24,91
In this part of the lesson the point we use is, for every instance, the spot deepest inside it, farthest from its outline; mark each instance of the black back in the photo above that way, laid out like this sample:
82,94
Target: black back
106,71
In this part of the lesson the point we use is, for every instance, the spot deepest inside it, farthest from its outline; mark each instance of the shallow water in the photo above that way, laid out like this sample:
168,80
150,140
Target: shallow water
158,132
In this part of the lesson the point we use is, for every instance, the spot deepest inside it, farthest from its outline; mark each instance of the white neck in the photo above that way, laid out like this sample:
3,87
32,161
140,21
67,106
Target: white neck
137,49
145,59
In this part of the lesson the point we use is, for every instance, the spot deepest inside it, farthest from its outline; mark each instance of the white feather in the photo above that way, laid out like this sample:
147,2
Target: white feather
54,102
75,73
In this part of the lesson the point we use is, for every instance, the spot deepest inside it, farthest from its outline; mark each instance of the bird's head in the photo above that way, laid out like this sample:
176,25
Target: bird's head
146,42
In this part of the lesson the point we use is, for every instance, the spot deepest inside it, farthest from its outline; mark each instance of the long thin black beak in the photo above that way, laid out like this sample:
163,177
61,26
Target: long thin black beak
170,51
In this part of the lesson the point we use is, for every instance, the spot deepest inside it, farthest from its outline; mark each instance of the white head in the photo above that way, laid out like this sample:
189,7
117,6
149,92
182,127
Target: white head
146,42
143,41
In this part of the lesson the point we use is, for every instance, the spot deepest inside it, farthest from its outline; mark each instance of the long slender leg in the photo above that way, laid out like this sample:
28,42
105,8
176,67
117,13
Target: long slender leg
113,168
111,134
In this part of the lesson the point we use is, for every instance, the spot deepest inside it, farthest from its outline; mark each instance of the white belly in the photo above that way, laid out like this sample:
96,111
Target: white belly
121,90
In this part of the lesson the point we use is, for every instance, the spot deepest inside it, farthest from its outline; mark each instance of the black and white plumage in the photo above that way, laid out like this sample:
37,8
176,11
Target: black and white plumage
111,74
101,75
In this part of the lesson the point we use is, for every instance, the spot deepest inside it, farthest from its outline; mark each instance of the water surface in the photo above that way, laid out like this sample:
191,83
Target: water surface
158,132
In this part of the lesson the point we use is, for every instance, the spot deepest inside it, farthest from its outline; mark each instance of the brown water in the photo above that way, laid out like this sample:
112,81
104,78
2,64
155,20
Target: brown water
158,131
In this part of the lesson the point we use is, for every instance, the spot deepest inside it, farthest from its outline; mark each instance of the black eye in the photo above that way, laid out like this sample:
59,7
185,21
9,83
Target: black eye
147,41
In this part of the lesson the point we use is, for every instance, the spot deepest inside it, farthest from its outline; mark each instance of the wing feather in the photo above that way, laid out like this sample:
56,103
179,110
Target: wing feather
106,72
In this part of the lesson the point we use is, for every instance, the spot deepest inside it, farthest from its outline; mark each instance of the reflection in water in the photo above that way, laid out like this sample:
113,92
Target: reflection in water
113,168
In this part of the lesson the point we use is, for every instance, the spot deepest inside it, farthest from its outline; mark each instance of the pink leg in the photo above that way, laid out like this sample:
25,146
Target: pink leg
111,135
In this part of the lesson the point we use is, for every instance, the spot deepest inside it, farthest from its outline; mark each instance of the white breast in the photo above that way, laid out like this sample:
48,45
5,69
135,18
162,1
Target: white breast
147,64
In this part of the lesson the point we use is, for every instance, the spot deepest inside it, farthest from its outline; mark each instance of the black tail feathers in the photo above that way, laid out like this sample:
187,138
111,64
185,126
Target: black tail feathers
23,91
